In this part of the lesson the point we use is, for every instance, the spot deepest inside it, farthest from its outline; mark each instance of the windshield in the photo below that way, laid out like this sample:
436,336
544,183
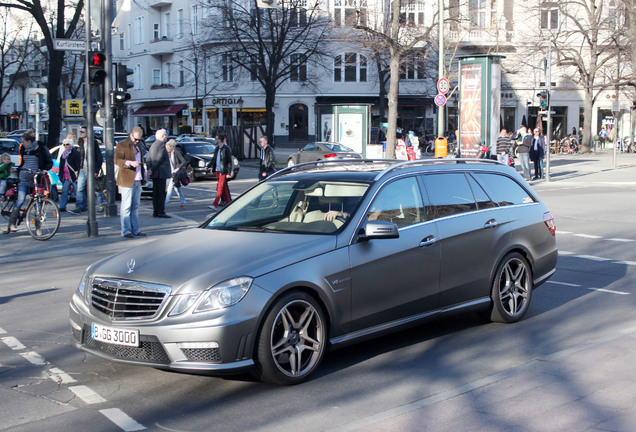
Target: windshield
199,148
293,206
338,147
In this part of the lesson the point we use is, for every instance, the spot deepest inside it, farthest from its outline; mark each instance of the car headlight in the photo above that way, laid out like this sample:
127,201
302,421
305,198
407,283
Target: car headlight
84,282
224,294
202,163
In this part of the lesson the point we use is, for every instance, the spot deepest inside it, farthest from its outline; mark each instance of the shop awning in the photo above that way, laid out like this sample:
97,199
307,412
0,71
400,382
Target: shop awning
163,110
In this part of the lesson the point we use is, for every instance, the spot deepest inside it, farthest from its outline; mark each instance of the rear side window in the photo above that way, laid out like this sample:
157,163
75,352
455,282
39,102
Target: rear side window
503,190
450,193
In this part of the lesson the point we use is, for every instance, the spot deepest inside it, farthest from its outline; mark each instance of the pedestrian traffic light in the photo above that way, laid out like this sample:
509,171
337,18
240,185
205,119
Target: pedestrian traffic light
96,67
121,95
544,99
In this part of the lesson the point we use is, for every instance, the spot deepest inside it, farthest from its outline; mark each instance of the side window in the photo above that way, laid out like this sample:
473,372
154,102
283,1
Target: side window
482,198
310,147
399,202
503,189
450,193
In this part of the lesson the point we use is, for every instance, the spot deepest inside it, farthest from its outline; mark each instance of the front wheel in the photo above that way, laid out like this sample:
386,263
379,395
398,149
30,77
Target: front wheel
190,173
292,340
290,163
511,289
43,218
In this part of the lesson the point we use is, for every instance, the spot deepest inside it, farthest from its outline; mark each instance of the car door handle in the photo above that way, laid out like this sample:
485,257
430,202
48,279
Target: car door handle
428,241
491,224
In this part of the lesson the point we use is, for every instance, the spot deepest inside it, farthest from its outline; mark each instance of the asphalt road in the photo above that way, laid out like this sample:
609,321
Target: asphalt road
568,365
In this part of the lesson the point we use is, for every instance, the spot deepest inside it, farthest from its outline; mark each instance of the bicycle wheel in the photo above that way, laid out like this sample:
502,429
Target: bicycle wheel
43,218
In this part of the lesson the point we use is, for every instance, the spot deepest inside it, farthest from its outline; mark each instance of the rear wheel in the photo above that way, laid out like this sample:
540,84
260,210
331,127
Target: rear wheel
511,289
43,218
190,173
292,340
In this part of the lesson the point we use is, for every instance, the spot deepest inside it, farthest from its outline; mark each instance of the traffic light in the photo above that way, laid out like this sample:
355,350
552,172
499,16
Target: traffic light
121,95
544,99
96,67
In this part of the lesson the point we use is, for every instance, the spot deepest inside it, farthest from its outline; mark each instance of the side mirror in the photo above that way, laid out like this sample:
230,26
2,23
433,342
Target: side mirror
379,229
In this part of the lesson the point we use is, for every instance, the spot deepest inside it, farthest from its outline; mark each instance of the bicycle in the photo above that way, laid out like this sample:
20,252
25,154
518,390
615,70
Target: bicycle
42,213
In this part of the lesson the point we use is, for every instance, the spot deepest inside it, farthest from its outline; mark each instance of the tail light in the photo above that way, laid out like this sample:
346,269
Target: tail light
330,155
548,220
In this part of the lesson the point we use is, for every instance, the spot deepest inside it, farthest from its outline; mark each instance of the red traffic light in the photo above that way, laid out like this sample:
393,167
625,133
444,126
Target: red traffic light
96,67
98,60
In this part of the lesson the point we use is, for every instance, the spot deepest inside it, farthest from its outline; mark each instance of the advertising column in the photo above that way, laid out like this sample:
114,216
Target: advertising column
479,97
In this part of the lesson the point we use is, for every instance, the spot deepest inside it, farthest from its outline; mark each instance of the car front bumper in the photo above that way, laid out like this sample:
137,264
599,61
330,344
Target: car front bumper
222,344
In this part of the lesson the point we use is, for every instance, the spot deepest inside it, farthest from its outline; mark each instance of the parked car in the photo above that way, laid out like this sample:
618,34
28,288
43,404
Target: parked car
322,151
197,155
321,255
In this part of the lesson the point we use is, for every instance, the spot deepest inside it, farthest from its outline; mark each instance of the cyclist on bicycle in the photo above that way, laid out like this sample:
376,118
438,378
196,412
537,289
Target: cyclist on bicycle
34,155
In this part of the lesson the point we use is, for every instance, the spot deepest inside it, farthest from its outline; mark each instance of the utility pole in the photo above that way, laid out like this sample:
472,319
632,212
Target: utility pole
441,61
549,116
91,224
109,136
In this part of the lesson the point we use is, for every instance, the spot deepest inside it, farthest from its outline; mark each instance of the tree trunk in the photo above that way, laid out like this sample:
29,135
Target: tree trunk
394,91
53,98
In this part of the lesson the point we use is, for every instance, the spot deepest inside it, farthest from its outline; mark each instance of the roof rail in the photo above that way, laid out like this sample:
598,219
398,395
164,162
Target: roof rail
385,165
422,162
329,164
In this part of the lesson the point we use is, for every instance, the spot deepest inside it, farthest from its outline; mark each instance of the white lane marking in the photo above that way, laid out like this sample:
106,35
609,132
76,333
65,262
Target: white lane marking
122,419
620,240
13,343
60,377
86,394
34,358
590,236
564,283
2,331
608,291
593,258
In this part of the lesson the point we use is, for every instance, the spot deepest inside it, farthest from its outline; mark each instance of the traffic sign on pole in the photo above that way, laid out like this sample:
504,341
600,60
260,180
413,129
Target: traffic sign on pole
440,100
443,85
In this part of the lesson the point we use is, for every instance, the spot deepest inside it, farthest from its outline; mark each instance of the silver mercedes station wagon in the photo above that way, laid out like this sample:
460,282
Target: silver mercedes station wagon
318,256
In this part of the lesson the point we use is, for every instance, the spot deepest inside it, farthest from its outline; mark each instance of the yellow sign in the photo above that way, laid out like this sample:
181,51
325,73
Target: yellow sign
74,107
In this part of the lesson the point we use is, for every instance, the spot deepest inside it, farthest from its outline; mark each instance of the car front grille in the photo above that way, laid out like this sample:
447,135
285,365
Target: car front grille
150,349
127,300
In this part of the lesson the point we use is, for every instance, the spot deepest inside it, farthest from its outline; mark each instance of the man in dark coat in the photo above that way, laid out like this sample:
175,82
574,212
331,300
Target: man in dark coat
159,170
268,161
537,150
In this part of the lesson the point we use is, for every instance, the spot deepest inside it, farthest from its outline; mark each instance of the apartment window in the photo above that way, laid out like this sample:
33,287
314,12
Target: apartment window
139,30
156,77
298,15
453,12
181,74
194,19
168,77
138,77
122,41
349,13
155,31
413,69
477,12
350,67
253,69
412,13
129,38
549,16
180,23
227,71
298,68
166,25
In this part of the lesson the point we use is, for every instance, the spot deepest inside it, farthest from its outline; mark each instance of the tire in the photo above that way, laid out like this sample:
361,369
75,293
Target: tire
294,327
190,173
43,219
290,163
511,289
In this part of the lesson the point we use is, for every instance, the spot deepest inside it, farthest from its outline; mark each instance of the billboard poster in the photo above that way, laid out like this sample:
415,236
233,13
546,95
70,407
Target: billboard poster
350,130
327,127
470,113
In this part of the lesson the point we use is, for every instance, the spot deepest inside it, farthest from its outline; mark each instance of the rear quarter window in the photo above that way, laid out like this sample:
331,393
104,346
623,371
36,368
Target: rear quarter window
503,190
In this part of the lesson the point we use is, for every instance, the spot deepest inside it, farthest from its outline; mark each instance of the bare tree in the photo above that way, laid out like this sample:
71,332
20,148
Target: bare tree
270,45
586,43
54,24
14,52
388,33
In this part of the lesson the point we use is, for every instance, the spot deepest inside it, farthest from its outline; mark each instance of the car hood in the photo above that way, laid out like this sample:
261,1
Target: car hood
198,258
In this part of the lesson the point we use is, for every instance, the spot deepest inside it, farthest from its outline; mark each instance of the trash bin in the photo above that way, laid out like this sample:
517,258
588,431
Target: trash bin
441,147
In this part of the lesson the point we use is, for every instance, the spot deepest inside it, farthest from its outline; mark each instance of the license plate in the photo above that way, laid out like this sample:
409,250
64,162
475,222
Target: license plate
115,336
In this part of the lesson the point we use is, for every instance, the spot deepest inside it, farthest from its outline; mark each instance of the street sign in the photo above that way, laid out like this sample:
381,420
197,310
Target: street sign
69,45
443,86
546,113
440,100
